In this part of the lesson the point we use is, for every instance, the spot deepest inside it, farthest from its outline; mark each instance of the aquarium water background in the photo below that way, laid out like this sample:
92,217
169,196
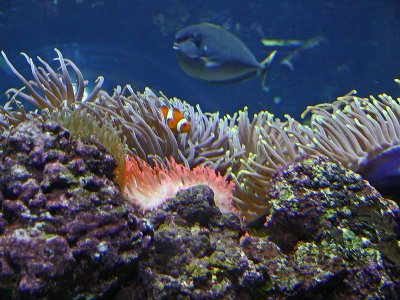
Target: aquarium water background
130,42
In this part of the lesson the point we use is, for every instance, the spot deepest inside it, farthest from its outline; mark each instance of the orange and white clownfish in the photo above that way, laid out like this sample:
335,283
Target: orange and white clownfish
175,119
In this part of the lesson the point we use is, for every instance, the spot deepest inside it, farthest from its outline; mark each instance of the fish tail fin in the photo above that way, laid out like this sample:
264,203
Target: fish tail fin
265,65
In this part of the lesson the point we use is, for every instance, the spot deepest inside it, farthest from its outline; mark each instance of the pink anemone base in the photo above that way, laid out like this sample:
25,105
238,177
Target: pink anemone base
149,186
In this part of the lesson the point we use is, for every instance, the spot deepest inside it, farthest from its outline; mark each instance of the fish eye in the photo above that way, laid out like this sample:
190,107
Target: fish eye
196,38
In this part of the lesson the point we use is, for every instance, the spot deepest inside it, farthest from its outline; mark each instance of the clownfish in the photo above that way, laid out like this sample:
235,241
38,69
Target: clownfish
175,119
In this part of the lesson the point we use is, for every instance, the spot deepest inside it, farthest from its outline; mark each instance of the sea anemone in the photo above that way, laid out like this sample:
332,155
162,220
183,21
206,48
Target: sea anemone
363,134
140,120
149,187
263,146
50,89
208,141
148,136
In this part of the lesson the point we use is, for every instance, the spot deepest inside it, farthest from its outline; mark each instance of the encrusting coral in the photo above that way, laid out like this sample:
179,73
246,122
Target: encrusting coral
354,131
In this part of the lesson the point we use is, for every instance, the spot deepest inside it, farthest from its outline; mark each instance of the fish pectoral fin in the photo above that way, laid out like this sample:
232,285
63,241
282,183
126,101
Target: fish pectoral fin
268,60
265,65
211,62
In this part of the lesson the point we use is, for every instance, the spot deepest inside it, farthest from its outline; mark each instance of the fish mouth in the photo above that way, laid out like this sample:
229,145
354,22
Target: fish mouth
175,46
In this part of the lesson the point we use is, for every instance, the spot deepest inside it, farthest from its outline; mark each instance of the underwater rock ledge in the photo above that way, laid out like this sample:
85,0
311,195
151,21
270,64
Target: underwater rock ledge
336,237
65,230
329,234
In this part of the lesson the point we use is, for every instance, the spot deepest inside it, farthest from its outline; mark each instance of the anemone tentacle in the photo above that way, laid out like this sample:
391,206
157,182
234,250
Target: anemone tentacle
353,130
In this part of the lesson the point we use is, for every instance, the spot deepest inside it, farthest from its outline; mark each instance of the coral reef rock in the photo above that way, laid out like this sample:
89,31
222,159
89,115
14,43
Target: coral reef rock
336,236
195,253
327,235
65,230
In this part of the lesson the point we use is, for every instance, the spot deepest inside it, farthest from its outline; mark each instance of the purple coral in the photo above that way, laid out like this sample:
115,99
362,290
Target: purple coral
64,226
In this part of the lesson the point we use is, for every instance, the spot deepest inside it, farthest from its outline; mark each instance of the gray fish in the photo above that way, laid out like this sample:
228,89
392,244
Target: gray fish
209,52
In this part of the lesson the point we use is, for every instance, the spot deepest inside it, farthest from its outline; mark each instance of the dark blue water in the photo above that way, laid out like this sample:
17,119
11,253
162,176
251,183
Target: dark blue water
131,42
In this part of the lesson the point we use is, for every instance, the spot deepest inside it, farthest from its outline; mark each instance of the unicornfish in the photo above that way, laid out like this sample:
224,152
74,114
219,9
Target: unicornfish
209,52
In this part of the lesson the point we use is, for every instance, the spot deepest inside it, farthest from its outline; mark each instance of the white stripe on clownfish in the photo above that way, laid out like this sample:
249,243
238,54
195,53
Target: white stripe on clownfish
183,125
170,114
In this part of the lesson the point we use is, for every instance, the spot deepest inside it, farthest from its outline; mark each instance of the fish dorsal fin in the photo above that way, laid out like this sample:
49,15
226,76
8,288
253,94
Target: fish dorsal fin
164,110
166,103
